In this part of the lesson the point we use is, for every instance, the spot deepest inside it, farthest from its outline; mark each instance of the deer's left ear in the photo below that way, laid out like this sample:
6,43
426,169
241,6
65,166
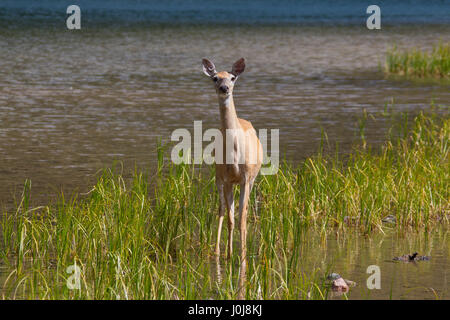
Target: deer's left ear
238,67
208,68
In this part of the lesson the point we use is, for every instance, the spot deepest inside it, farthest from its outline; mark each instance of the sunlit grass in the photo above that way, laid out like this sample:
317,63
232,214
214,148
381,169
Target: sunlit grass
421,64
152,237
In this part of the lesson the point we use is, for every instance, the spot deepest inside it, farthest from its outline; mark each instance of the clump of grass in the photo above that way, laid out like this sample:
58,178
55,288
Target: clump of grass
416,63
153,237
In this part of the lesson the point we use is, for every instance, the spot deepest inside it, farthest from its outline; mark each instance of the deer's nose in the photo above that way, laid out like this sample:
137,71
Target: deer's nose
223,89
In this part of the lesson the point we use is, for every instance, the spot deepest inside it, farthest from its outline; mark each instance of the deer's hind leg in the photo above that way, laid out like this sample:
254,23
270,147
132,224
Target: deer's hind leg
243,208
229,200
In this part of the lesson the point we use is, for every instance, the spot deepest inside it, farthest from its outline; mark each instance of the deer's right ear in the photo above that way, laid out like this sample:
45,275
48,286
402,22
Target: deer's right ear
208,68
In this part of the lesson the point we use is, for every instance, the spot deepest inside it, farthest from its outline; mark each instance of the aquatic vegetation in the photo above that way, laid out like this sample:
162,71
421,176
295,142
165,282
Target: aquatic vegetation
152,236
422,64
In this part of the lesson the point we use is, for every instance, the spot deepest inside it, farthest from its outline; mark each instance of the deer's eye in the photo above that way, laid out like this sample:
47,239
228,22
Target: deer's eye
215,79
233,78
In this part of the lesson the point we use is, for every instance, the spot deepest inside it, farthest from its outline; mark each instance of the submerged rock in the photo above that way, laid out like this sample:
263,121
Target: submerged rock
412,257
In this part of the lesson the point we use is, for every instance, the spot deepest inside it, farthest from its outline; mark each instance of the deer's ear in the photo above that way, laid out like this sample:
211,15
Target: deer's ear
208,68
238,67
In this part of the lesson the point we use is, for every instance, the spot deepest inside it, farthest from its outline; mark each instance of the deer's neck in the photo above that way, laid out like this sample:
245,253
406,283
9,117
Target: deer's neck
228,116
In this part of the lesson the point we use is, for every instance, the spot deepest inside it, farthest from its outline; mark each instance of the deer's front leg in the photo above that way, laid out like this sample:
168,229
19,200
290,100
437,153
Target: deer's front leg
229,199
243,208
221,215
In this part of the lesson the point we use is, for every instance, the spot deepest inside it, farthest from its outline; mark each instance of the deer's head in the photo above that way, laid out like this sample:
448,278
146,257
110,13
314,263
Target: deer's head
223,81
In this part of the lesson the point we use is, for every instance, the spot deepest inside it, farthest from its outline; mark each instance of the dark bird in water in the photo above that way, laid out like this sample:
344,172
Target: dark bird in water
412,256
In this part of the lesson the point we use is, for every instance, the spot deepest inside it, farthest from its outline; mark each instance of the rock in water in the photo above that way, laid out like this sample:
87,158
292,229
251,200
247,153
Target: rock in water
339,285
422,258
333,276
350,283
389,219
412,258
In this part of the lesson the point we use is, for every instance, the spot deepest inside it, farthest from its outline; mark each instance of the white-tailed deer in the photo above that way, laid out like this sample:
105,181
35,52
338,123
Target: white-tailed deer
242,152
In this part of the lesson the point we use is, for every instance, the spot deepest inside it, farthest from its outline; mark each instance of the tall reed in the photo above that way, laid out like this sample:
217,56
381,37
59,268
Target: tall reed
422,64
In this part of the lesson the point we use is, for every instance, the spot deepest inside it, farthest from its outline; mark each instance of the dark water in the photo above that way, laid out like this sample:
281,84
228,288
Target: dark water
138,12
72,102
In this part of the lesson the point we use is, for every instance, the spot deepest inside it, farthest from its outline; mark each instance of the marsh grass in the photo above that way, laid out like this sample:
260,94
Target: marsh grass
152,237
420,64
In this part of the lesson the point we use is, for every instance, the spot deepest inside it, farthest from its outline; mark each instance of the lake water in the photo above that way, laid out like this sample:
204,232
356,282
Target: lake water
73,102
350,256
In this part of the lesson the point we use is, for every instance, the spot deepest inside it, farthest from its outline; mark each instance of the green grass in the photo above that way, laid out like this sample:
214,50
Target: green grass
419,64
153,237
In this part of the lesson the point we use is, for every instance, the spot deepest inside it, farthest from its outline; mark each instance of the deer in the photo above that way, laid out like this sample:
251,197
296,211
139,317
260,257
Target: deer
243,152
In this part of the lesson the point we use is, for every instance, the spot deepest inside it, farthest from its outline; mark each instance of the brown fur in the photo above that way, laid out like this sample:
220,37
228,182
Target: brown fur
223,74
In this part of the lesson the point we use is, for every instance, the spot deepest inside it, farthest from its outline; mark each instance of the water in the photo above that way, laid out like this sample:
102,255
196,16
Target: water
73,102
350,256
